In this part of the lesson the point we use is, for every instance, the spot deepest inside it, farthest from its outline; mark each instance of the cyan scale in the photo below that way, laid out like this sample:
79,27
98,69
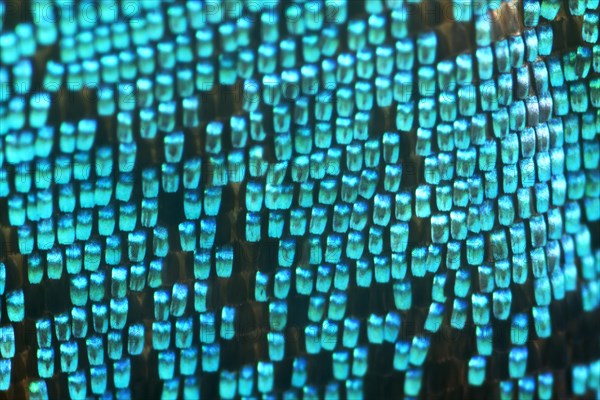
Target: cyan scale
300,199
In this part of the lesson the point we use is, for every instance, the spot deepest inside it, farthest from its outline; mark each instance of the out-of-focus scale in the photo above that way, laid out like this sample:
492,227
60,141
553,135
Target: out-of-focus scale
300,199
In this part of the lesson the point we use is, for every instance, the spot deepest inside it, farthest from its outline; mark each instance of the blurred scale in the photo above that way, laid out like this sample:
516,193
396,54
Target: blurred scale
300,199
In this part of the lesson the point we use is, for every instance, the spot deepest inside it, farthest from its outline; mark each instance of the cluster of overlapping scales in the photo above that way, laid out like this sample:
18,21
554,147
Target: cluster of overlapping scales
336,199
